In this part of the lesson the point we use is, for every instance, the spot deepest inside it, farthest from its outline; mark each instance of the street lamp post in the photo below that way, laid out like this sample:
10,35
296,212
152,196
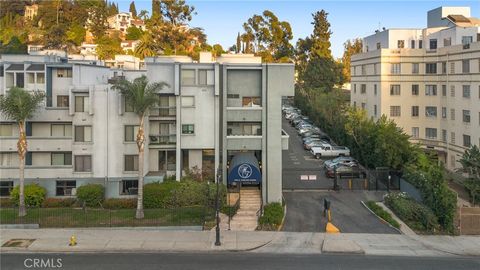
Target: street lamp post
335,183
217,210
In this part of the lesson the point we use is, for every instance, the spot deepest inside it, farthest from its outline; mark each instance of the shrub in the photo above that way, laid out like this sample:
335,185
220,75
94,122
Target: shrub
272,216
58,202
114,203
157,195
91,194
379,211
6,202
34,195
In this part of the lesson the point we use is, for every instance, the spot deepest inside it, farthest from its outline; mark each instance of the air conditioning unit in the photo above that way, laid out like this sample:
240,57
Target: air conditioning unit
74,191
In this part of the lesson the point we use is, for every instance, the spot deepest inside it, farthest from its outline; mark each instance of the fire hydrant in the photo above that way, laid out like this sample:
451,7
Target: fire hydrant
73,240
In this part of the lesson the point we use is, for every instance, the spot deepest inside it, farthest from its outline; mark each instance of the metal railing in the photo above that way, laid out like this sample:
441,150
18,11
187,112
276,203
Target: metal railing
163,139
164,111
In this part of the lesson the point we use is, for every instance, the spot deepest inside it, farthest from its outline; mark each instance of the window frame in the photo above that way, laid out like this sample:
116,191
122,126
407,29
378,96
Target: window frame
124,186
186,130
83,133
65,185
67,156
10,185
134,165
83,161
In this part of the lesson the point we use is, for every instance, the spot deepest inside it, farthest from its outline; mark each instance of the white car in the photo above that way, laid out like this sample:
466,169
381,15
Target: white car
328,150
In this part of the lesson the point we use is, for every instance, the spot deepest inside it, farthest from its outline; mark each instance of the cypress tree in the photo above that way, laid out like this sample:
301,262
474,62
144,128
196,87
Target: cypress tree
133,9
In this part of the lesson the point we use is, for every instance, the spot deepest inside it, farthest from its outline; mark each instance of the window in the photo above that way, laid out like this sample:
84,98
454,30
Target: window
430,90
415,68
452,90
202,77
31,78
466,140
466,66
65,188
354,88
415,132
444,67
447,42
188,77
83,133
188,101
401,44
6,130
415,89
431,68
431,133
128,106
444,112
64,72
188,129
251,102
81,103
63,101
412,44
131,163
375,110
431,111
375,89
40,78
83,163
5,188
433,44
452,114
396,68
415,111
394,111
452,137
444,90
395,89
375,69
61,159
467,40
379,46
444,135
363,88
131,133
420,44
129,187
452,68
364,70
61,130
466,116
466,91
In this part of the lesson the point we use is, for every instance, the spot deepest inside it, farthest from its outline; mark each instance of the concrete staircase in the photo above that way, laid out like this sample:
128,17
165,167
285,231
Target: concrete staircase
246,218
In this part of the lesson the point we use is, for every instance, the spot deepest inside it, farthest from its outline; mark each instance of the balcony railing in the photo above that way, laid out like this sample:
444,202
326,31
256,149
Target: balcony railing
163,111
163,139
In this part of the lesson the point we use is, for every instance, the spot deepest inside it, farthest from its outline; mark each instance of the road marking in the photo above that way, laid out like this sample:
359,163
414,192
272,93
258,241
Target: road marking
296,163
311,177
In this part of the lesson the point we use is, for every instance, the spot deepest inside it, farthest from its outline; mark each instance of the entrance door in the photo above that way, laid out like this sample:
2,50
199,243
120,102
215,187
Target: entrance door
167,160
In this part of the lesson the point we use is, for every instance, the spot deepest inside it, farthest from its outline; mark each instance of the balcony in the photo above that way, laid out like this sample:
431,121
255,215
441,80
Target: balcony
239,114
38,144
170,112
115,79
170,139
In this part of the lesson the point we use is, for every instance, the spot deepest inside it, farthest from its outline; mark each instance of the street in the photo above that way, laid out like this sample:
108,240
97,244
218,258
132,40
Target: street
231,261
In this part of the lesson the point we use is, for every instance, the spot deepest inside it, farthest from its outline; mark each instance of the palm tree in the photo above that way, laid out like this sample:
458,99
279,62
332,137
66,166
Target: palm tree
141,96
19,105
146,47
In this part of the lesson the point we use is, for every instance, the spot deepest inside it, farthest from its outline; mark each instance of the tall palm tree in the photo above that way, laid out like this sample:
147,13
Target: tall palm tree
19,105
146,47
141,96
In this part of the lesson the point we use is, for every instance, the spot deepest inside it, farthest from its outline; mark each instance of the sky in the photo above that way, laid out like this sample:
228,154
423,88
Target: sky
223,19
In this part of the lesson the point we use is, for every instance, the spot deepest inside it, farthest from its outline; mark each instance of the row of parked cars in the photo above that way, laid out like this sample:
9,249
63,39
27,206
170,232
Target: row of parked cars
320,145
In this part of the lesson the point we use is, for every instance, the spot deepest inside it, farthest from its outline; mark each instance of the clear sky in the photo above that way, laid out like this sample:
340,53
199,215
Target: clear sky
223,19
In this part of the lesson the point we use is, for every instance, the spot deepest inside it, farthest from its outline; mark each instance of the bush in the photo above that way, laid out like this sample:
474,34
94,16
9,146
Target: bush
6,202
158,195
272,216
34,195
379,211
91,194
58,202
120,203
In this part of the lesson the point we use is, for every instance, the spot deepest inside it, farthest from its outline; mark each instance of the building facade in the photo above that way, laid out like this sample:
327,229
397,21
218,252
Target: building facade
85,132
426,80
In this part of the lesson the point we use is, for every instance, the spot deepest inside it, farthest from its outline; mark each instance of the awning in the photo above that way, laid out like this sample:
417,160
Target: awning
36,67
15,67
244,169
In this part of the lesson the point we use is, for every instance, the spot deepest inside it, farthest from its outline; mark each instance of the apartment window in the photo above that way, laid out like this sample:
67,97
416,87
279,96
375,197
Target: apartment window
363,88
466,66
83,163
452,137
61,159
63,101
83,133
444,112
40,78
375,89
415,68
452,90
5,188
355,88
444,67
395,111
188,129
131,163
379,46
188,77
431,111
401,44
129,187
467,40
415,132
452,114
61,130
6,130
420,44
65,188
444,135
127,105
415,89
64,72
466,116
396,68
251,102
131,133
447,42
430,90
364,71
202,77
31,78
188,101
415,111
452,68
81,103
412,44
431,68
433,44
431,133
444,90
395,89
466,91
375,69
375,110
466,140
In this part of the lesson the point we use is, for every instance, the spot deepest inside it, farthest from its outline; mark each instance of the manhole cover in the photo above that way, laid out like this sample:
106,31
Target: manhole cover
23,243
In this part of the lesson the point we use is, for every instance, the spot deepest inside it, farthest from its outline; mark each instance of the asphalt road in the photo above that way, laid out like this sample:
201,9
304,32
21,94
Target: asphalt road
231,261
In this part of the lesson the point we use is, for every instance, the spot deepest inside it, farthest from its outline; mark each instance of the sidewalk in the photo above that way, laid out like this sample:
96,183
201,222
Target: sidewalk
150,240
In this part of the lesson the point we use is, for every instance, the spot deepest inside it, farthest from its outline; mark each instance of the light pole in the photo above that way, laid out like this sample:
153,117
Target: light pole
217,210
335,183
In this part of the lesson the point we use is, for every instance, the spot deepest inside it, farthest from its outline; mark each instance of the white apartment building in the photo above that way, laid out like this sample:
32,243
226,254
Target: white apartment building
123,20
426,80
211,115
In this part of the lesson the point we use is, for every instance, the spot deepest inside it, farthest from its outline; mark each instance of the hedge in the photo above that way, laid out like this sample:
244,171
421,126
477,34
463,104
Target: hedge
91,194
272,216
115,203
379,211
34,195
58,202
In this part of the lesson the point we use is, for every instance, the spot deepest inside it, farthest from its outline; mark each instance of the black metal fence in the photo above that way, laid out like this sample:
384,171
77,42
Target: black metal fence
373,180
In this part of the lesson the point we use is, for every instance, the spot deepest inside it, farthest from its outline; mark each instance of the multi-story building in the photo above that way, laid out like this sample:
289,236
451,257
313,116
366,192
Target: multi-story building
426,80
123,20
213,114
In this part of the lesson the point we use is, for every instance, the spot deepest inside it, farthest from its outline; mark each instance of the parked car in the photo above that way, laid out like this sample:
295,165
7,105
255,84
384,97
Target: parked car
310,136
339,161
314,143
346,171
327,150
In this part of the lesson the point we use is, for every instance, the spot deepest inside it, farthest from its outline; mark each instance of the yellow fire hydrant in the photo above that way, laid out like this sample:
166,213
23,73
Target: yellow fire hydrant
73,240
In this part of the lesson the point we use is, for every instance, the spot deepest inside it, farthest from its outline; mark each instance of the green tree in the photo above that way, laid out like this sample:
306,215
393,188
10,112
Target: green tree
133,33
177,12
98,15
18,105
351,47
217,50
76,34
141,96
14,46
146,47
156,8
133,9
55,37
322,73
470,162
108,47
238,45
320,37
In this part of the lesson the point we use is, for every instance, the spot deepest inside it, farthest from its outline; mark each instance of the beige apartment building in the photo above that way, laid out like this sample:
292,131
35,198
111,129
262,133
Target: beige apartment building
426,80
